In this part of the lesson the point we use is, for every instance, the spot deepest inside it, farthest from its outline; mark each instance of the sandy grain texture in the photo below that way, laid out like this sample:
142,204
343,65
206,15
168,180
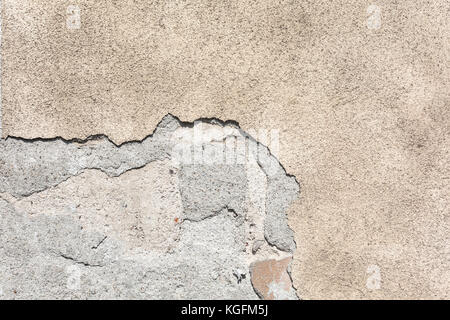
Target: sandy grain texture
363,113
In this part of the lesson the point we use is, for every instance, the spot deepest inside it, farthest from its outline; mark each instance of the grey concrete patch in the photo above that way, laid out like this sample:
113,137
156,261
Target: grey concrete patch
209,189
89,219
30,166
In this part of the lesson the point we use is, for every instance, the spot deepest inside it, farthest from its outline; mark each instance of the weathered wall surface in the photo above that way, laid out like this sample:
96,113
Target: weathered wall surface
361,102
144,220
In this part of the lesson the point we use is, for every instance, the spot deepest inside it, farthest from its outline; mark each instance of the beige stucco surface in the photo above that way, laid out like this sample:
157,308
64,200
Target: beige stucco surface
363,113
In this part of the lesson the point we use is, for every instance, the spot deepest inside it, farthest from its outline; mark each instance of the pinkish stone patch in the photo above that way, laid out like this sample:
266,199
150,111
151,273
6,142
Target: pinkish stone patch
271,280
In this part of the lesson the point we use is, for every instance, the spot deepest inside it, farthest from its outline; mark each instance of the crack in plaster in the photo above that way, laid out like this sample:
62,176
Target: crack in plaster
103,189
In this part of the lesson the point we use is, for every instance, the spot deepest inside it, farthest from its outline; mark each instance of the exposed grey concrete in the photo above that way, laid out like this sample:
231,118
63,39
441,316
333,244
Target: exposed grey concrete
29,166
178,215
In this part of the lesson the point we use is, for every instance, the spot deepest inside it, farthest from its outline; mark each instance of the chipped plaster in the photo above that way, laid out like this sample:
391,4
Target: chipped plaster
361,106
94,208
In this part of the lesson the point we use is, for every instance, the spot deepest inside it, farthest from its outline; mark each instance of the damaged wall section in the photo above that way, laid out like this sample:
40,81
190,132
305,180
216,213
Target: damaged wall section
194,211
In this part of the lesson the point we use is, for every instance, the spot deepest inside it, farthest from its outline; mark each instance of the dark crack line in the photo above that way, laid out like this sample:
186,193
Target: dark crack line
101,136
86,264
98,137
214,214
99,244
95,137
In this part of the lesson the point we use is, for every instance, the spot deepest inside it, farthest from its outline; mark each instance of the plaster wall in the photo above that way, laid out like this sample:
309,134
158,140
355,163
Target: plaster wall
361,105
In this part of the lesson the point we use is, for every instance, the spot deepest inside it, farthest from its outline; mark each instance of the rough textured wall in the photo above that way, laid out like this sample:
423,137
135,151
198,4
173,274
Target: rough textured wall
358,91
146,219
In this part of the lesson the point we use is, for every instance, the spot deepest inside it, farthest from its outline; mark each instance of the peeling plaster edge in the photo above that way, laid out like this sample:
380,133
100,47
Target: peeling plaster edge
101,136
181,123
185,124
